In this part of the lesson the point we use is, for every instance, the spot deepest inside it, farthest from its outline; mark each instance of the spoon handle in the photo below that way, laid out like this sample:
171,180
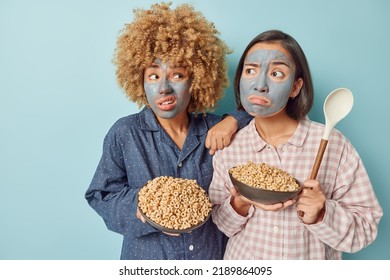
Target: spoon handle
317,162
316,166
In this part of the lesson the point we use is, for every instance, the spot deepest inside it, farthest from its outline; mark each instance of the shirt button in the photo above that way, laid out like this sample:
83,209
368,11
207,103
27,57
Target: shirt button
276,229
180,164
191,247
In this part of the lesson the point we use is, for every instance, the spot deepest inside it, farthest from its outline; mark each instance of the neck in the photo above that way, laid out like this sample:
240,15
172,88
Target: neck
176,128
277,129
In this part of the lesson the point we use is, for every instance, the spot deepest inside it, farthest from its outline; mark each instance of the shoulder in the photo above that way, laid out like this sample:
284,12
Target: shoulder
335,134
316,130
241,143
126,123
209,118
123,127
312,127
337,141
245,131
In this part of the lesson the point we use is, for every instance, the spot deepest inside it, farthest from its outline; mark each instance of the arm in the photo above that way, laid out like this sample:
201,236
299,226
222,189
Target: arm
221,134
224,216
111,196
350,218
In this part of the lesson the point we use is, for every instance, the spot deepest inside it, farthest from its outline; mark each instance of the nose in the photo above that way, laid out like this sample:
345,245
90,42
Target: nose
165,87
261,83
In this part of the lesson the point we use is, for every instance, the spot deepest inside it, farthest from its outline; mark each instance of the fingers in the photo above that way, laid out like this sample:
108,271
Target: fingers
220,135
274,207
267,207
216,140
271,207
277,206
311,202
210,143
288,203
139,216
208,140
311,190
233,192
171,234
309,216
312,184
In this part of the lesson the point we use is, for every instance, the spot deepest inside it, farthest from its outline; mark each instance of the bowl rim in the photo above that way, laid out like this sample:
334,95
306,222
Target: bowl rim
171,230
280,196
261,189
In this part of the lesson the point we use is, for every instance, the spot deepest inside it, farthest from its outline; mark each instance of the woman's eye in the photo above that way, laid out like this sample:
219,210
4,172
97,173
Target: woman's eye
153,77
177,76
277,74
250,71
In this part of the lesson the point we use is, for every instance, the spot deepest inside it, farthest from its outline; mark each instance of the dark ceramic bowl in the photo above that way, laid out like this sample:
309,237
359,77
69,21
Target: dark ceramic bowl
171,230
261,195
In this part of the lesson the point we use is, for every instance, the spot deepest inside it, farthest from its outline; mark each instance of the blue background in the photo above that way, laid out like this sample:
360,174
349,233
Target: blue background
59,97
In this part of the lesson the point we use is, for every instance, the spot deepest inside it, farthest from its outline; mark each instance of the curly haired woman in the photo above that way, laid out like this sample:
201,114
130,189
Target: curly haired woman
172,62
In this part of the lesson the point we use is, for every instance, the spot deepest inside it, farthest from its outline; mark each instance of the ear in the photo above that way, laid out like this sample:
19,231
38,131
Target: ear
296,88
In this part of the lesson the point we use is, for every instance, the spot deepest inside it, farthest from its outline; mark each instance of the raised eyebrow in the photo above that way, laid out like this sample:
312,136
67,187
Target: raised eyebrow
251,64
280,62
177,66
153,66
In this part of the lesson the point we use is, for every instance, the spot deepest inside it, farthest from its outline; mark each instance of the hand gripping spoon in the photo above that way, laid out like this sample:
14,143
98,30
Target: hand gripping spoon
337,105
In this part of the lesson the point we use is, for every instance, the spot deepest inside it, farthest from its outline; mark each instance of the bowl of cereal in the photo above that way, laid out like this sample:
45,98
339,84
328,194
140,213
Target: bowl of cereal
174,205
263,183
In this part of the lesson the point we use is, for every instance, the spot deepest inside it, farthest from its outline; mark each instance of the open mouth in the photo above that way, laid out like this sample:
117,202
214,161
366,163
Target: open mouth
166,103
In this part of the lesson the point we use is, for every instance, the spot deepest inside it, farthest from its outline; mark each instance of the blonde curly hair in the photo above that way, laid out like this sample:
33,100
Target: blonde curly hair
181,36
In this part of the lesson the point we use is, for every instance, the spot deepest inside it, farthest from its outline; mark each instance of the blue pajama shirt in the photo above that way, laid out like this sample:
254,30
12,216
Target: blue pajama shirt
136,150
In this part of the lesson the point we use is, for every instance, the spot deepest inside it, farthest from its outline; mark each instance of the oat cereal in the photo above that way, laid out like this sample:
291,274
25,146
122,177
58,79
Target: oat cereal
264,176
174,203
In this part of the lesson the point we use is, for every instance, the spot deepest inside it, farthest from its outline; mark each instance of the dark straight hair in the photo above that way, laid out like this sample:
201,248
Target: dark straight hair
300,106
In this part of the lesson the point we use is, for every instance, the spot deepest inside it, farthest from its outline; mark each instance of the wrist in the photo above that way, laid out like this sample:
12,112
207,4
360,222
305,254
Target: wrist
321,215
240,206
232,120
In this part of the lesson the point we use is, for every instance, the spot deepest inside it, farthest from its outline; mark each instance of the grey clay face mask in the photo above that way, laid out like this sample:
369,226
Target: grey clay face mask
266,82
167,97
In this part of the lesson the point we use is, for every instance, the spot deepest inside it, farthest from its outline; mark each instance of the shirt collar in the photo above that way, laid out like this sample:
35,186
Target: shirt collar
297,139
300,133
257,142
149,122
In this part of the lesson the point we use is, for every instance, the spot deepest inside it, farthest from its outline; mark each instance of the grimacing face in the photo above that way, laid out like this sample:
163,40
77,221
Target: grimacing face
267,80
167,89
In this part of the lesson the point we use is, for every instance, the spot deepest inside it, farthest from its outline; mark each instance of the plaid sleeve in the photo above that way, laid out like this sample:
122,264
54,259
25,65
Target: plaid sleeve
223,215
353,213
